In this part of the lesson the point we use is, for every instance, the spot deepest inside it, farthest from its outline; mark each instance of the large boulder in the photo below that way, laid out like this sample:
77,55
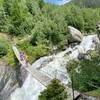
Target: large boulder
76,34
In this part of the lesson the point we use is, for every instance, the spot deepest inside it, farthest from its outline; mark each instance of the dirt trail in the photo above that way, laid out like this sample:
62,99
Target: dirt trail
7,37
14,40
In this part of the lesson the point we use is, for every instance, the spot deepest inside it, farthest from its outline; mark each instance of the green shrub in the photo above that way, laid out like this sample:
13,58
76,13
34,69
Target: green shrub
3,50
34,52
54,91
87,77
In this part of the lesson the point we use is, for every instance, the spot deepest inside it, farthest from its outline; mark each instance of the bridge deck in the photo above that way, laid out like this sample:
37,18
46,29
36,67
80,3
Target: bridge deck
43,79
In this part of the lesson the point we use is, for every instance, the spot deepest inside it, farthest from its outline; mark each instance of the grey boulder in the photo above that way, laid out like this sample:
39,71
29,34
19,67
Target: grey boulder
76,34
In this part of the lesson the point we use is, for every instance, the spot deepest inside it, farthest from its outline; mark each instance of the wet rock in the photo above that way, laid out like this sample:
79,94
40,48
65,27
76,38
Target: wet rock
76,34
10,79
7,81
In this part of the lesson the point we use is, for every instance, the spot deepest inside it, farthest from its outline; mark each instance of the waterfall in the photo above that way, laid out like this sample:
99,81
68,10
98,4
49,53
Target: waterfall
53,66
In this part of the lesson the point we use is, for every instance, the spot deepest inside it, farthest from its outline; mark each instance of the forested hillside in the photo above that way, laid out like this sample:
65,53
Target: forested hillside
87,3
45,24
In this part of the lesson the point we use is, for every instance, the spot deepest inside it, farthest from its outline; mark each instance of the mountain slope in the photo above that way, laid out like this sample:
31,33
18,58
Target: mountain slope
87,3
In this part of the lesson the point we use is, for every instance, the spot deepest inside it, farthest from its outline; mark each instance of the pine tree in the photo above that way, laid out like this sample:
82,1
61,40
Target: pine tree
54,91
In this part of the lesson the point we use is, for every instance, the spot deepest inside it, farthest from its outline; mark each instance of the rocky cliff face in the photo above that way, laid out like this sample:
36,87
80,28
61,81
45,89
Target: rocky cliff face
10,79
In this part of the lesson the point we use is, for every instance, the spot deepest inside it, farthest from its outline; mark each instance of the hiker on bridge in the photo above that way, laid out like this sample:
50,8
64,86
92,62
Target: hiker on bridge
21,56
24,57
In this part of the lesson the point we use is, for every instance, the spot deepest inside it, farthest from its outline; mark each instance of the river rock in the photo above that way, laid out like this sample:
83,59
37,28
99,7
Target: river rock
76,34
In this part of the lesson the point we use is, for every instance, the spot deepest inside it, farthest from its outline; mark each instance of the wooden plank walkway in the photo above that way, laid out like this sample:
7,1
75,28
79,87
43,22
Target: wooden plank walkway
43,79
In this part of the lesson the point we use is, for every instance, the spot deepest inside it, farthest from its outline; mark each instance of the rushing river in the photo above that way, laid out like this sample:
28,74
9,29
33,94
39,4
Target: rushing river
57,2
51,66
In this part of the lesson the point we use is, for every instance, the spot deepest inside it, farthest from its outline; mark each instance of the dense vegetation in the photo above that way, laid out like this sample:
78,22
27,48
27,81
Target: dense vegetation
87,3
3,50
6,50
87,77
54,91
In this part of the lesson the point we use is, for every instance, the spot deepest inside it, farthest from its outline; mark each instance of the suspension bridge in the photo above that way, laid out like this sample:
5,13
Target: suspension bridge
40,77
43,79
